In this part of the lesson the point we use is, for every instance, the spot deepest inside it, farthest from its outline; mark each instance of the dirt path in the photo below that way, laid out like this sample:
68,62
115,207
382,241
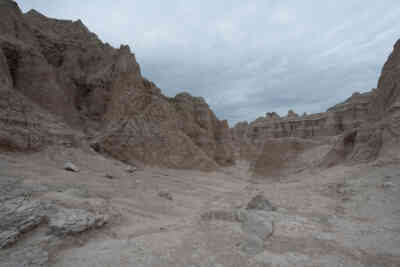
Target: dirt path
343,216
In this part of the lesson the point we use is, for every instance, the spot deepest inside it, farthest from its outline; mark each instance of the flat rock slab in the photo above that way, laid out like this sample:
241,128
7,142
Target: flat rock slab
72,221
11,187
18,216
257,229
256,225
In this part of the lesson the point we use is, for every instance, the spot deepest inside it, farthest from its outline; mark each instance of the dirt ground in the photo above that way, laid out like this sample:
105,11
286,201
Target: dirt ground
341,216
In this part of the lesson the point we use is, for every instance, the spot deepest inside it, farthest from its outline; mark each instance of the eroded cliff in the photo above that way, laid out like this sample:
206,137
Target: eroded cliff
364,128
58,74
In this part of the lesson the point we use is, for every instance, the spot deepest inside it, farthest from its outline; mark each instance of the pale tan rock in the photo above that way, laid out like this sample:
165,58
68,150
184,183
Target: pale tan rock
73,221
59,82
58,74
376,129
342,117
198,121
283,156
69,166
363,128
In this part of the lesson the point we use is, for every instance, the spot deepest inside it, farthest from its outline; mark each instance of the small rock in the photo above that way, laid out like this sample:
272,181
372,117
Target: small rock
259,202
388,185
131,169
165,194
109,176
72,221
340,189
69,166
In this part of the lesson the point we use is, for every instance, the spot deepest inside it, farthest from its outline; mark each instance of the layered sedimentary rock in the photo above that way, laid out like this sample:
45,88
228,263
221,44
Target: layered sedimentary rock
197,121
282,156
380,136
377,135
57,76
24,125
364,128
340,118
59,83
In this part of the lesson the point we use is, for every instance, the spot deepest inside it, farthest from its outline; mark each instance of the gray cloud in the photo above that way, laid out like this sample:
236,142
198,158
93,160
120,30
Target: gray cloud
248,57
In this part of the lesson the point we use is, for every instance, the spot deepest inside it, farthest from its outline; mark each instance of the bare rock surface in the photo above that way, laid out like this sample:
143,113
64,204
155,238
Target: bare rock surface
340,216
88,88
283,156
321,127
364,128
30,228
66,95
69,166
334,121
73,221
258,227
18,216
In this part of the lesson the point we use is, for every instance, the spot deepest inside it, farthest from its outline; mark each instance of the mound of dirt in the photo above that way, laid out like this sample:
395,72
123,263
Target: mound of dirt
282,156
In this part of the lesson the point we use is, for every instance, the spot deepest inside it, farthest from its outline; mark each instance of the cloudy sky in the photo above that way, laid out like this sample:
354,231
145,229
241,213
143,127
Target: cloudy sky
247,57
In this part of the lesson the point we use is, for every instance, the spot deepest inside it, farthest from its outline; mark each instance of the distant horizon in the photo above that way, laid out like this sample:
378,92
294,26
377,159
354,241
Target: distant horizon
247,59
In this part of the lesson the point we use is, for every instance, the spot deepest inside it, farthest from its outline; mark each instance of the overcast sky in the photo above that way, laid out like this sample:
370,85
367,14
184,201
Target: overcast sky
247,58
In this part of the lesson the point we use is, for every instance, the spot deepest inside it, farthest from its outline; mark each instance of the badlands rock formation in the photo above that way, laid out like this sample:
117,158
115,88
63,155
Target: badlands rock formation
383,132
363,128
277,144
65,95
336,120
282,156
60,84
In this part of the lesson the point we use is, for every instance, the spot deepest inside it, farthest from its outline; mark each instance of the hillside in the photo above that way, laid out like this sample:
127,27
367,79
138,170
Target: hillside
59,81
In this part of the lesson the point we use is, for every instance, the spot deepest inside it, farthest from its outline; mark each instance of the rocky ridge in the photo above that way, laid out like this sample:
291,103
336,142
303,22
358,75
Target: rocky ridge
60,83
364,128
336,120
